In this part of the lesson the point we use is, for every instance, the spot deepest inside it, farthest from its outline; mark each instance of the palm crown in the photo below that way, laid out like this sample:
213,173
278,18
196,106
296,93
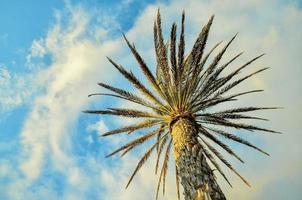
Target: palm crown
183,87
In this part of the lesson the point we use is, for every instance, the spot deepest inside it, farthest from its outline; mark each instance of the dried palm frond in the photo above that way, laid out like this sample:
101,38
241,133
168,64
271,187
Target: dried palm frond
165,165
124,112
221,144
235,138
220,157
181,49
184,85
162,145
141,162
136,142
163,172
144,124
177,182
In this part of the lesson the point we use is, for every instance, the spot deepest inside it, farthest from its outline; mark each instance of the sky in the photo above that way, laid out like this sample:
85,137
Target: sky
53,54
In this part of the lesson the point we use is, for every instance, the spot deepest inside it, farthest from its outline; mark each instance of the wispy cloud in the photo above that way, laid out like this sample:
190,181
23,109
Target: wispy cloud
17,89
76,64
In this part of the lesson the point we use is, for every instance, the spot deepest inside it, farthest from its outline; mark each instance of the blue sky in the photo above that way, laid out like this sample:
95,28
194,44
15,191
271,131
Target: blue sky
52,54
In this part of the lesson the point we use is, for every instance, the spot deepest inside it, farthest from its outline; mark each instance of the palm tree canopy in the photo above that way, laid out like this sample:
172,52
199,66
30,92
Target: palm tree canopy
184,85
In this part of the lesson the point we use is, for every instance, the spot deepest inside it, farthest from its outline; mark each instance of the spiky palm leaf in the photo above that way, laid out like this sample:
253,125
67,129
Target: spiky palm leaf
185,87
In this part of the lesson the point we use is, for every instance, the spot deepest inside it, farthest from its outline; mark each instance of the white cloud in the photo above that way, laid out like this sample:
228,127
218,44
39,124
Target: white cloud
100,127
37,49
78,65
16,89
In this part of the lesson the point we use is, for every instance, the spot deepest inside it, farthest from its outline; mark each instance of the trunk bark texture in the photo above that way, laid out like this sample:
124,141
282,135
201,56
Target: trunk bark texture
197,178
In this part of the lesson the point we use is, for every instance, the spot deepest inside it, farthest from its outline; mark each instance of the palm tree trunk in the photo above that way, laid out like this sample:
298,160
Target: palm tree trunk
197,178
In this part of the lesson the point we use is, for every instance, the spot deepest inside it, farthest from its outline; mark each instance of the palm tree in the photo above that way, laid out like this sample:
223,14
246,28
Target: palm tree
178,114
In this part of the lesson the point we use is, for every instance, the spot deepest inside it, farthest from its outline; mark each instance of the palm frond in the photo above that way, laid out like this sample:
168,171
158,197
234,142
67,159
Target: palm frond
236,139
211,102
223,122
124,112
164,169
192,61
108,94
162,51
144,124
204,60
177,183
200,43
135,82
206,76
221,68
248,109
234,73
128,96
161,147
224,161
159,136
181,48
145,69
216,60
173,52
222,81
230,86
136,141
220,143
166,164
141,163
230,116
